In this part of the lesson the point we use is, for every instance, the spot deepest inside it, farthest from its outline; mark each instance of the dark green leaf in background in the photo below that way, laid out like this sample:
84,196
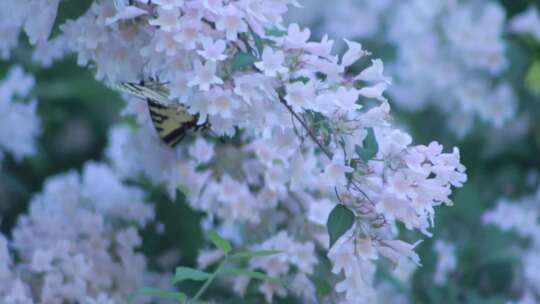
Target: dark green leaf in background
252,274
154,292
242,60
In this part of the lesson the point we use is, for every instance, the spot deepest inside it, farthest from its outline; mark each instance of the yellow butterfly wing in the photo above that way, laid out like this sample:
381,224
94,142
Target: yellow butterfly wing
172,122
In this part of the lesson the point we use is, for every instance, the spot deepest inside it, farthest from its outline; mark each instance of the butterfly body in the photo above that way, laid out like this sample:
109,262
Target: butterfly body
172,122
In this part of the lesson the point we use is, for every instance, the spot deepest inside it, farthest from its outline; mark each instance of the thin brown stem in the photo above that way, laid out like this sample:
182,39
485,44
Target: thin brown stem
321,146
308,129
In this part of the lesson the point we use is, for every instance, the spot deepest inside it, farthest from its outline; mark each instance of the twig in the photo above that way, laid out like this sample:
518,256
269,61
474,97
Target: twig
209,281
308,129
321,146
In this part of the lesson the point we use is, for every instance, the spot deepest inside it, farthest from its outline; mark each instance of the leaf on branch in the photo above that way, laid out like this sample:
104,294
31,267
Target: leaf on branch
187,273
252,254
275,32
259,43
370,148
149,291
340,220
242,60
219,242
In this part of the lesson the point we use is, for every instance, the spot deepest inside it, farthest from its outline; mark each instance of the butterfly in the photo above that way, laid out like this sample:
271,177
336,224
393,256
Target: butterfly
172,122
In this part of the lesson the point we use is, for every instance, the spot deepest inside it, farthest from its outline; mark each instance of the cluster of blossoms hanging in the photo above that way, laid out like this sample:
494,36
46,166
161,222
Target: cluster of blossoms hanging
17,109
523,218
296,143
450,54
453,49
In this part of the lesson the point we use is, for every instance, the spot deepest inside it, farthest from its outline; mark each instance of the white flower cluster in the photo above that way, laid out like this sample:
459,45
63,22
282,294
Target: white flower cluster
294,254
77,243
35,18
527,22
304,135
522,217
19,121
449,53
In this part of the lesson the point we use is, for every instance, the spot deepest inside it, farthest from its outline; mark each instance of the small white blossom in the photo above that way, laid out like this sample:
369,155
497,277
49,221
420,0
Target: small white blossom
213,50
205,75
272,62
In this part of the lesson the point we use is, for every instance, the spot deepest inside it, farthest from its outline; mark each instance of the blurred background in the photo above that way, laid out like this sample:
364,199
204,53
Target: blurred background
502,158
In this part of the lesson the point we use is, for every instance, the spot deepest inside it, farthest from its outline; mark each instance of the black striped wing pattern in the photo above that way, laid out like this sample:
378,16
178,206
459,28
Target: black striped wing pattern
172,122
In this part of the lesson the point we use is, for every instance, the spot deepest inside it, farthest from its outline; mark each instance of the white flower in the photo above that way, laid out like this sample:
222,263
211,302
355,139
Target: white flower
375,91
303,256
269,289
300,96
230,21
18,293
189,34
205,75
319,211
166,42
38,28
374,73
202,151
322,49
296,38
213,50
366,249
342,256
335,171
87,227
527,22
42,260
395,249
353,54
272,62
222,102
345,99
126,13
169,4
20,141
167,20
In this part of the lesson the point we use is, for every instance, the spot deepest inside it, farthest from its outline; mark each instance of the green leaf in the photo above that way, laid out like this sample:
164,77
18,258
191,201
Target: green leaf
154,292
322,286
242,60
303,79
340,220
275,32
533,78
220,242
370,148
252,254
259,43
253,274
186,273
